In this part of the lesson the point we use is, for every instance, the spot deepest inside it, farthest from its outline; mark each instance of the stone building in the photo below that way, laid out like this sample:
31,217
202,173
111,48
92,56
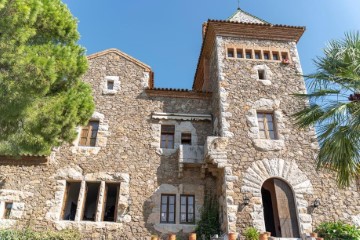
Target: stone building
150,157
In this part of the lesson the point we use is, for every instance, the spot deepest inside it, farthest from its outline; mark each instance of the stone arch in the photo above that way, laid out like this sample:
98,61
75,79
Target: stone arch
287,171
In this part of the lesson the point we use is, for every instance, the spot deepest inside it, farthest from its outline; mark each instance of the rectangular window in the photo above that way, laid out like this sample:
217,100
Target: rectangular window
110,85
261,74
239,53
8,208
89,134
266,125
91,201
168,206
266,55
230,53
248,54
71,198
187,209
284,56
257,55
167,136
111,202
186,138
275,56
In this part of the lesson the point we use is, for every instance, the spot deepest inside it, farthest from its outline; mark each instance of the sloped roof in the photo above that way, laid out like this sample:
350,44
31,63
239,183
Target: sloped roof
245,17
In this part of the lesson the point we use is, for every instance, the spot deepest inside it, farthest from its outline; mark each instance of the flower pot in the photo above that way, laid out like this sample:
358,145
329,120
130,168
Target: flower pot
313,235
263,236
192,236
172,237
154,238
232,236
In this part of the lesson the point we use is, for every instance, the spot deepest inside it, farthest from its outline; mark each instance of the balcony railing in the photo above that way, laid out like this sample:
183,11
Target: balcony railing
189,154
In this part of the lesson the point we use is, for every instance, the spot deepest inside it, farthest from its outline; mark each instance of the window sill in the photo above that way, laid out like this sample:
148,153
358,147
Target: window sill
166,151
265,82
265,145
174,228
109,92
87,150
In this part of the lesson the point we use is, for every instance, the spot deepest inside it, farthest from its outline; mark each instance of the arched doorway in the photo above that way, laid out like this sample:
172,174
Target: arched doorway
279,209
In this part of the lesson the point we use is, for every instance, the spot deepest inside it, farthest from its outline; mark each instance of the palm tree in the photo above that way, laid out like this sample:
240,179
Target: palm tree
334,94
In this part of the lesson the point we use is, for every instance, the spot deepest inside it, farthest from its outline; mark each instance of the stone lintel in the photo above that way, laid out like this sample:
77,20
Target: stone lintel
182,116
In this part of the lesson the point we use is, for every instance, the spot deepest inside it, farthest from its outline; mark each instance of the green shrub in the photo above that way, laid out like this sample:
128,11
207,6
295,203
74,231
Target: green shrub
209,223
28,234
251,233
338,230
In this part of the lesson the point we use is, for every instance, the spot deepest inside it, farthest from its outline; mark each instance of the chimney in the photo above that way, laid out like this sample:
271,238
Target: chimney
204,29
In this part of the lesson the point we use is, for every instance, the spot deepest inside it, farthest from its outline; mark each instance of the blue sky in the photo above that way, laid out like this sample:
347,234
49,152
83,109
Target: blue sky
166,34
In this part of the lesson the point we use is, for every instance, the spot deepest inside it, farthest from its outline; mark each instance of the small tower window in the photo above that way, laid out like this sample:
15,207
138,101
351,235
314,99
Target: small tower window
284,56
248,54
275,56
266,55
239,53
8,208
186,138
257,55
110,85
230,52
261,74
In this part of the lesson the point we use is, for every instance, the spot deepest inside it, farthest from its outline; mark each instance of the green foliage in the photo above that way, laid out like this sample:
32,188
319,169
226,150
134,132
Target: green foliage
28,234
251,233
335,113
209,223
42,97
338,230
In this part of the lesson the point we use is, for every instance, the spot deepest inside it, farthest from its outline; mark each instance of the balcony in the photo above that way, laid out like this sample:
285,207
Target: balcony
190,156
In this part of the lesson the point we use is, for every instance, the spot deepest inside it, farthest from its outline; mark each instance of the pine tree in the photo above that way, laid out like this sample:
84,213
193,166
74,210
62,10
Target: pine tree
42,97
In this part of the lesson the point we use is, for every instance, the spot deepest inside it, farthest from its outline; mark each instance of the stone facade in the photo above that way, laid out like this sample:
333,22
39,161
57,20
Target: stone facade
227,158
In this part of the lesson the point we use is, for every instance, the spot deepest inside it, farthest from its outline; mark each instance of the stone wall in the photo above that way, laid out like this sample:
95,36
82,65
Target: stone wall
127,151
245,94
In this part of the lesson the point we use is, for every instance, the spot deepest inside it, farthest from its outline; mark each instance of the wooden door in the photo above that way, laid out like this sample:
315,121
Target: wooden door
286,209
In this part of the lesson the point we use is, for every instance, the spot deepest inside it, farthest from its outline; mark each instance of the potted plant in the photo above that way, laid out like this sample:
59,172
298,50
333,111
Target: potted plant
154,237
251,233
192,236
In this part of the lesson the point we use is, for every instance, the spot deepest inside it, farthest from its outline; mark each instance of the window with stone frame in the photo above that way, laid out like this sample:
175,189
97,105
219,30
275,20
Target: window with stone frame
110,84
266,55
230,52
187,209
186,138
275,56
110,202
70,202
92,190
266,125
167,136
7,210
89,134
258,55
168,206
239,53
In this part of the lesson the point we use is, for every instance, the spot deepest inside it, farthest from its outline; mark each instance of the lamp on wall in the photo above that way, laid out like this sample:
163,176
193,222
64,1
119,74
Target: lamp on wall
316,203
246,201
